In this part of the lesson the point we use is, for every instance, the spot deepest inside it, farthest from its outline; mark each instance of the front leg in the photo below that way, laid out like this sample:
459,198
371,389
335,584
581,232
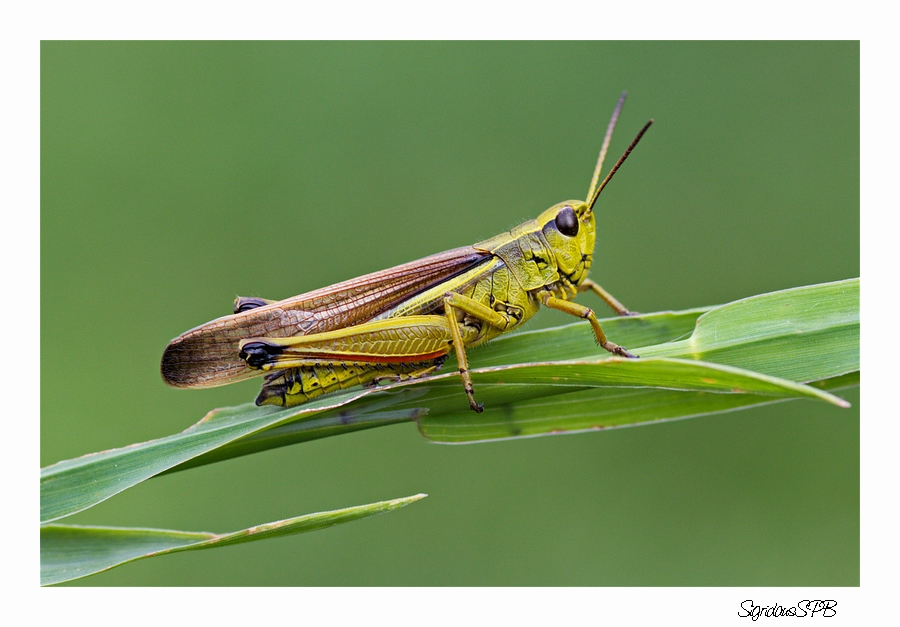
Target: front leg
587,313
589,286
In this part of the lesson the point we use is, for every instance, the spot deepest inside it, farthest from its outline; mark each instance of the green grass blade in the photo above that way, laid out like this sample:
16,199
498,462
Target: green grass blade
507,386
73,551
591,410
672,374
360,416
801,334
73,485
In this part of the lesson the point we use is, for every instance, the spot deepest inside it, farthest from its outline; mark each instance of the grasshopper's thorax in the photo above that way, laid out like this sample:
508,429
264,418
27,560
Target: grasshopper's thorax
553,252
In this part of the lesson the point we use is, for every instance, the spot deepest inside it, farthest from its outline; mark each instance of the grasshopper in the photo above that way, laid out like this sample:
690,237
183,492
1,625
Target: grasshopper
401,323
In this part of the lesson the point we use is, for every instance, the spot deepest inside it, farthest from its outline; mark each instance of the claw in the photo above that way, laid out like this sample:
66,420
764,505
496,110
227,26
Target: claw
615,349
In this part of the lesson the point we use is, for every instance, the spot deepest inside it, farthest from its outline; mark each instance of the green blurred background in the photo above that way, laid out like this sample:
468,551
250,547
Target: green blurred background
175,176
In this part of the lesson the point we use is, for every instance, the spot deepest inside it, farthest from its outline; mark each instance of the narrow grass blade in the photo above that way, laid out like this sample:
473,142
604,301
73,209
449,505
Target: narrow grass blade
73,485
73,551
590,410
367,414
508,386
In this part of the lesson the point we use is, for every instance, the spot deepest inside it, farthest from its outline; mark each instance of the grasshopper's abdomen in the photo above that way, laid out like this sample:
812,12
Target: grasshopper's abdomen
295,386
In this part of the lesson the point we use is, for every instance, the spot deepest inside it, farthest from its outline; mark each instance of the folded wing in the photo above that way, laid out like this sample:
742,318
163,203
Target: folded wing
207,356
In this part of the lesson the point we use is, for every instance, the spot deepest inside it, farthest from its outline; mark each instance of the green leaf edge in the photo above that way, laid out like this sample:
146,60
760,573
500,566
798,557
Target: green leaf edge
206,540
435,431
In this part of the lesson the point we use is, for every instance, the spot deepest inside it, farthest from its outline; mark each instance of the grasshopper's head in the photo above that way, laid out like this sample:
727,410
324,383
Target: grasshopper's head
570,229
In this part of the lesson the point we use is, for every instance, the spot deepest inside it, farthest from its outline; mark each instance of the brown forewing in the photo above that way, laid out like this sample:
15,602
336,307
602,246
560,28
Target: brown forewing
207,355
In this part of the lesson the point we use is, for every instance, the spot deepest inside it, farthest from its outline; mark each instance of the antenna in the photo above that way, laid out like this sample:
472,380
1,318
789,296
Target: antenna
618,165
606,140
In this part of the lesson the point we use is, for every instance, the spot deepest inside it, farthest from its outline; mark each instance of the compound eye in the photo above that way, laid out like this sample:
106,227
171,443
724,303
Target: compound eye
567,222
246,303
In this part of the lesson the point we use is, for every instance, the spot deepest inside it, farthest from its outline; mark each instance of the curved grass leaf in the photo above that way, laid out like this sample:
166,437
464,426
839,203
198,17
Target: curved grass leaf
801,334
808,333
591,410
73,485
73,551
